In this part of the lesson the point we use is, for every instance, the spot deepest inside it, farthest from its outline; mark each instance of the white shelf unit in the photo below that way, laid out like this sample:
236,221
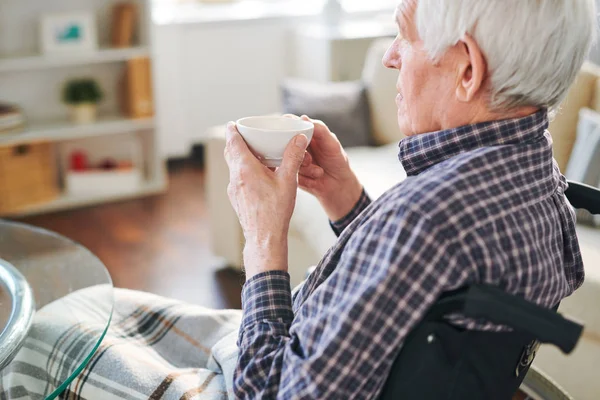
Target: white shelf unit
33,81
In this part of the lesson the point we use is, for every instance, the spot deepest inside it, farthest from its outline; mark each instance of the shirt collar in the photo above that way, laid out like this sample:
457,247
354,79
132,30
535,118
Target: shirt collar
420,152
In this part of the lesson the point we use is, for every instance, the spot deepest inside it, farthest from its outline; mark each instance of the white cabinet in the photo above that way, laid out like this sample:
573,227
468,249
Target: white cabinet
208,74
232,73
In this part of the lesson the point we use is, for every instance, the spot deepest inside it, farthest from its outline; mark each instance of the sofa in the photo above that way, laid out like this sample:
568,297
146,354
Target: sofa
378,169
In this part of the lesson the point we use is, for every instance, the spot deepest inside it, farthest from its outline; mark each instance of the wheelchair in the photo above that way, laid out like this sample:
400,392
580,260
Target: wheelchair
442,362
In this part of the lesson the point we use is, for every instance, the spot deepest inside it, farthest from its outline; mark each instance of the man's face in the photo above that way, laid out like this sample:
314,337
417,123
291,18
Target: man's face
424,88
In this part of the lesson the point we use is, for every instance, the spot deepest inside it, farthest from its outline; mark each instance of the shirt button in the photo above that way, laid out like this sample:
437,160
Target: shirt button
430,338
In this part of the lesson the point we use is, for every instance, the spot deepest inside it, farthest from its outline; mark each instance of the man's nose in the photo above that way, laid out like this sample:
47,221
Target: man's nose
391,59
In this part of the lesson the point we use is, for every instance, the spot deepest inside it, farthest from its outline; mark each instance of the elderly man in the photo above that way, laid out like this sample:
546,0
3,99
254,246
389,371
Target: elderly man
483,203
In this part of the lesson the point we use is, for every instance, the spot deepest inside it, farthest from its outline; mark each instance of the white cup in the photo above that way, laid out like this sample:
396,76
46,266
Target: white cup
268,137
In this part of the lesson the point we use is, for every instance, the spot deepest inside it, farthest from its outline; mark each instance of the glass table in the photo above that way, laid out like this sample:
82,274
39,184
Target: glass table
56,302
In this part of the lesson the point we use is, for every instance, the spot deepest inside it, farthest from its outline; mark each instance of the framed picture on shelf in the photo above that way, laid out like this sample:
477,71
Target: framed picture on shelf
69,32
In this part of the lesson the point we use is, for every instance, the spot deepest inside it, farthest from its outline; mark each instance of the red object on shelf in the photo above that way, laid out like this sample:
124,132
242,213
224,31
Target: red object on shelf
79,161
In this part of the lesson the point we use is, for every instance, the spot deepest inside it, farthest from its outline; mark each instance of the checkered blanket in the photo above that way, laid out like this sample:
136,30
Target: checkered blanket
155,348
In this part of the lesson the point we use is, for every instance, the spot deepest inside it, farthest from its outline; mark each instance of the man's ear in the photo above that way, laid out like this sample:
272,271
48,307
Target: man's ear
472,70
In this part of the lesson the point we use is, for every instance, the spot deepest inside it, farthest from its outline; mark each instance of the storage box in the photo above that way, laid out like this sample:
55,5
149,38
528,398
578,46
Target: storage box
99,183
95,182
28,176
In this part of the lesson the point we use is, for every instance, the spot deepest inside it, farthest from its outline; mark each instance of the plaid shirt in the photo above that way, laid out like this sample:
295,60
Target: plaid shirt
482,204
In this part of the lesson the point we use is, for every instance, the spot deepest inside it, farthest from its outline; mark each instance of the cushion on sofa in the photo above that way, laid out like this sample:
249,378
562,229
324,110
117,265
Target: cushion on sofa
342,106
584,163
564,126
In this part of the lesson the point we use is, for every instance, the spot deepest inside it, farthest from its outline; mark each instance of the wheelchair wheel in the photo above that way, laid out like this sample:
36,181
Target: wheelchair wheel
539,386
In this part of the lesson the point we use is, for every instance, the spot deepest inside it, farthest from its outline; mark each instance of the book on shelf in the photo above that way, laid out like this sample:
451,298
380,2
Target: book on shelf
124,18
136,89
11,118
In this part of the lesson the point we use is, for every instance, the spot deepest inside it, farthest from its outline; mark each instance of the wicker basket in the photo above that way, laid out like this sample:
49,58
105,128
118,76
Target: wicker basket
28,176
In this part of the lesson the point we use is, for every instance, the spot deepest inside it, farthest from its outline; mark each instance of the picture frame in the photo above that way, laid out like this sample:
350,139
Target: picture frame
68,32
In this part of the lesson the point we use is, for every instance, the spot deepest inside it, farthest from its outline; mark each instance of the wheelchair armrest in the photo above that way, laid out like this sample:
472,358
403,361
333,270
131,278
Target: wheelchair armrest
496,306
584,196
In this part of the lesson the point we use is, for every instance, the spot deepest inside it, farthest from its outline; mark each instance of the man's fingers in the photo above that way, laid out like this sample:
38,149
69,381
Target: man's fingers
232,145
307,159
321,130
312,171
306,184
293,156
236,149
314,121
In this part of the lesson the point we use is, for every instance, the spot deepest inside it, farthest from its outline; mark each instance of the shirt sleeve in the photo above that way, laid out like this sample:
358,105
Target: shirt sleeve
341,224
350,329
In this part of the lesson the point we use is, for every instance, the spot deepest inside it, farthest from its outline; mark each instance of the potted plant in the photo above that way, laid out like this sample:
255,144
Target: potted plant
83,96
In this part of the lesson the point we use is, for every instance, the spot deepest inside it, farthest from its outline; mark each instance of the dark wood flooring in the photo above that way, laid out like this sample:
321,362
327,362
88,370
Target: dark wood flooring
157,244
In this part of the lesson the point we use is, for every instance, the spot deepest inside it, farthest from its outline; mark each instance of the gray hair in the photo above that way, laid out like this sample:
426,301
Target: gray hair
534,48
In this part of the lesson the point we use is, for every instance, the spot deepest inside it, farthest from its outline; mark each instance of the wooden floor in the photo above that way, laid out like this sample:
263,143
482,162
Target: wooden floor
156,244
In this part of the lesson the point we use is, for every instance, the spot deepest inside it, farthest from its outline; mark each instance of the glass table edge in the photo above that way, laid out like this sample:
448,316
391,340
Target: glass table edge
21,316
84,364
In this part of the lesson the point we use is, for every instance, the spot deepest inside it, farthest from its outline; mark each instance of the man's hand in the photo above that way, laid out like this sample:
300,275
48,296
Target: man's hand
326,173
263,200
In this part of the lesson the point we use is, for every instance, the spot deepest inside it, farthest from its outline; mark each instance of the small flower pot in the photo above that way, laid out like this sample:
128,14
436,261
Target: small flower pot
84,113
